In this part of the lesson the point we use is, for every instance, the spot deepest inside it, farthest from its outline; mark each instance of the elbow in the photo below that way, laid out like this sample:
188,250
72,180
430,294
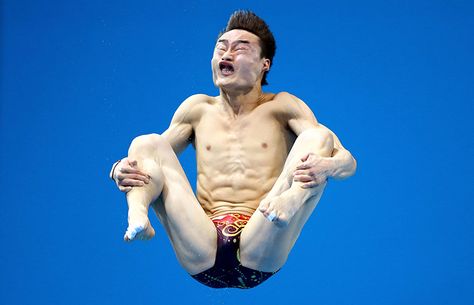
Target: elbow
353,167
348,170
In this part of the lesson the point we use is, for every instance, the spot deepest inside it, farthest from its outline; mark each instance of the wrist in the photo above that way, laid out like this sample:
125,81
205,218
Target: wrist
112,171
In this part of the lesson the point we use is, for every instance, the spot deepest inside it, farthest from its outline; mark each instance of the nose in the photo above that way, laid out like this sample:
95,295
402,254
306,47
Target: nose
227,56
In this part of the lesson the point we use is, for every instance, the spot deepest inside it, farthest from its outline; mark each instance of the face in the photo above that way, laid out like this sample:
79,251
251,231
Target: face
237,62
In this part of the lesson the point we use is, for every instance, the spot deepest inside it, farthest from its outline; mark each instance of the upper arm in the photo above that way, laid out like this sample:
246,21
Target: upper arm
302,118
180,132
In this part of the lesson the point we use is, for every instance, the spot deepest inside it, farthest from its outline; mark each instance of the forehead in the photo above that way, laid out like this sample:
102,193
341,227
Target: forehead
234,35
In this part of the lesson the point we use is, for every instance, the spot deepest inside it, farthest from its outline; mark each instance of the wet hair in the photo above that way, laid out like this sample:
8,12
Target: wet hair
248,21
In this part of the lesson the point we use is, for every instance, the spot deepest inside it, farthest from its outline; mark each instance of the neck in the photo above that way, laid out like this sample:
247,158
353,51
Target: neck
242,102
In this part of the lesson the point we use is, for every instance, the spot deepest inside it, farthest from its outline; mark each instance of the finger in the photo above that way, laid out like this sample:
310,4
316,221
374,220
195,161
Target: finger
125,189
136,177
120,177
303,166
309,185
127,169
133,163
302,173
303,178
319,181
131,182
131,170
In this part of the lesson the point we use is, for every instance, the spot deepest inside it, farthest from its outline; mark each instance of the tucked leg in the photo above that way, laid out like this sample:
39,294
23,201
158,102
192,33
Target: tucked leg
190,230
265,244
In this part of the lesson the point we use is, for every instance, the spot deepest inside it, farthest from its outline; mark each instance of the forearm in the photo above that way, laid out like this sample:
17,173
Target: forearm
344,165
177,144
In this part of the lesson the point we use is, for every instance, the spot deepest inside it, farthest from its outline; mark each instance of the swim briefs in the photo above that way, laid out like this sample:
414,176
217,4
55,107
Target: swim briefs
227,271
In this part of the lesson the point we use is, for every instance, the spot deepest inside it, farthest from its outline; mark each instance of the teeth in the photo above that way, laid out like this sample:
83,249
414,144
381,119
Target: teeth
226,68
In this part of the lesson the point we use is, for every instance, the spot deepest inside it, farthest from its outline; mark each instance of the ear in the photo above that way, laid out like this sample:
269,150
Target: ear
266,64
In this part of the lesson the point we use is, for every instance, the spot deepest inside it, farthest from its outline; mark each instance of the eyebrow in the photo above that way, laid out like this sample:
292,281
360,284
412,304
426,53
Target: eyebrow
236,42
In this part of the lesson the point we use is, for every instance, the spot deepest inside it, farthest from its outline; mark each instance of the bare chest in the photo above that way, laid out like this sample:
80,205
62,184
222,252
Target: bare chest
244,144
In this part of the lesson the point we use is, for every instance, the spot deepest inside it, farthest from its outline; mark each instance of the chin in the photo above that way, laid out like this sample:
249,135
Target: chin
234,84
225,83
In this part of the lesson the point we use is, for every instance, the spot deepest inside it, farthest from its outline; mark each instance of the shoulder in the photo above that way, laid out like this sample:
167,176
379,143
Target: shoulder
192,107
293,106
196,100
294,112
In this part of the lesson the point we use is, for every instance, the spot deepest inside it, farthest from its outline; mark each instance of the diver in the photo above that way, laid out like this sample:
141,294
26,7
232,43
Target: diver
263,161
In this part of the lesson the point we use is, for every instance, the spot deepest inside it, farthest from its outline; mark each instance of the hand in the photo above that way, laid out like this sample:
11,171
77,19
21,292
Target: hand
126,175
314,170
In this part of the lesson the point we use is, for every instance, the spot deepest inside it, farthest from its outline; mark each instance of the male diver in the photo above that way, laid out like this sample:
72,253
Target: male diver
263,161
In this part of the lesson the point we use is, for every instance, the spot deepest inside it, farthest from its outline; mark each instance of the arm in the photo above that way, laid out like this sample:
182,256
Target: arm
180,132
179,135
339,165
344,163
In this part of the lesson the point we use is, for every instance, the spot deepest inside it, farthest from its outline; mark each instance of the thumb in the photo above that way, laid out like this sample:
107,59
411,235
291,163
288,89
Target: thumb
305,157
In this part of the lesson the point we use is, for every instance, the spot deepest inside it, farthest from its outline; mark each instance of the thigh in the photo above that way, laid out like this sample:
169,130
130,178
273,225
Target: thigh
264,245
191,232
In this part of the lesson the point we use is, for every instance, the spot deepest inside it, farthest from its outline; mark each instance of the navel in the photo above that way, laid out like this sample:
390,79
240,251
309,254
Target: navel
208,147
264,145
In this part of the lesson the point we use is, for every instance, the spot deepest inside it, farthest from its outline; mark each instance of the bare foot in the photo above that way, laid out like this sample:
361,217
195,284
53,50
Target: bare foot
142,231
281,209
139,226
139,200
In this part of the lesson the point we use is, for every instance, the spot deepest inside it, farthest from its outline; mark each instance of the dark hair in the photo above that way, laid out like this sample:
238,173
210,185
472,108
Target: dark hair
248,21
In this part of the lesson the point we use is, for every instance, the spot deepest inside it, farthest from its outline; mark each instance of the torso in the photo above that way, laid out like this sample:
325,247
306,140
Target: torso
239,158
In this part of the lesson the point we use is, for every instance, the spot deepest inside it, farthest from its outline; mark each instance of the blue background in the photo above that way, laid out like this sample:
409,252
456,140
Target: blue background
394,80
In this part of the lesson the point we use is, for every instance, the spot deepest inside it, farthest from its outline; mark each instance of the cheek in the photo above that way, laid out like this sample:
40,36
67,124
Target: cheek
214,63
251,69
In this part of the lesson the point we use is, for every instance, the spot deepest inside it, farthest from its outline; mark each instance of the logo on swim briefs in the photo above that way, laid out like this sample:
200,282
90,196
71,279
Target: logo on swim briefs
231,225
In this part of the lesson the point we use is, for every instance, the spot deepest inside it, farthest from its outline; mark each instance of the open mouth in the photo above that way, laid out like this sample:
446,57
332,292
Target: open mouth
226,68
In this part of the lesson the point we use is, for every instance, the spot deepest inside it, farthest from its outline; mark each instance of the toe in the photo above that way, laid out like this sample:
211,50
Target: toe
263,207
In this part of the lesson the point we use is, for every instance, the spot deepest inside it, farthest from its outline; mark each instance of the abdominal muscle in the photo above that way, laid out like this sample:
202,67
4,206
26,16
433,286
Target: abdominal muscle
238,159
235,193
234,178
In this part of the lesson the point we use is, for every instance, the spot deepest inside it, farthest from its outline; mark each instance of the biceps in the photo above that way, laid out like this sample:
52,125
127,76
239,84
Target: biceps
300,125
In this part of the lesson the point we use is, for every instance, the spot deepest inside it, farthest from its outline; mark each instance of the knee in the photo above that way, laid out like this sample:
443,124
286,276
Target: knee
319,138
145,144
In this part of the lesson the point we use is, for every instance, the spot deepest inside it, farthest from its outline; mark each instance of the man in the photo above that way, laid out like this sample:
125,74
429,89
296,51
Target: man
263,161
